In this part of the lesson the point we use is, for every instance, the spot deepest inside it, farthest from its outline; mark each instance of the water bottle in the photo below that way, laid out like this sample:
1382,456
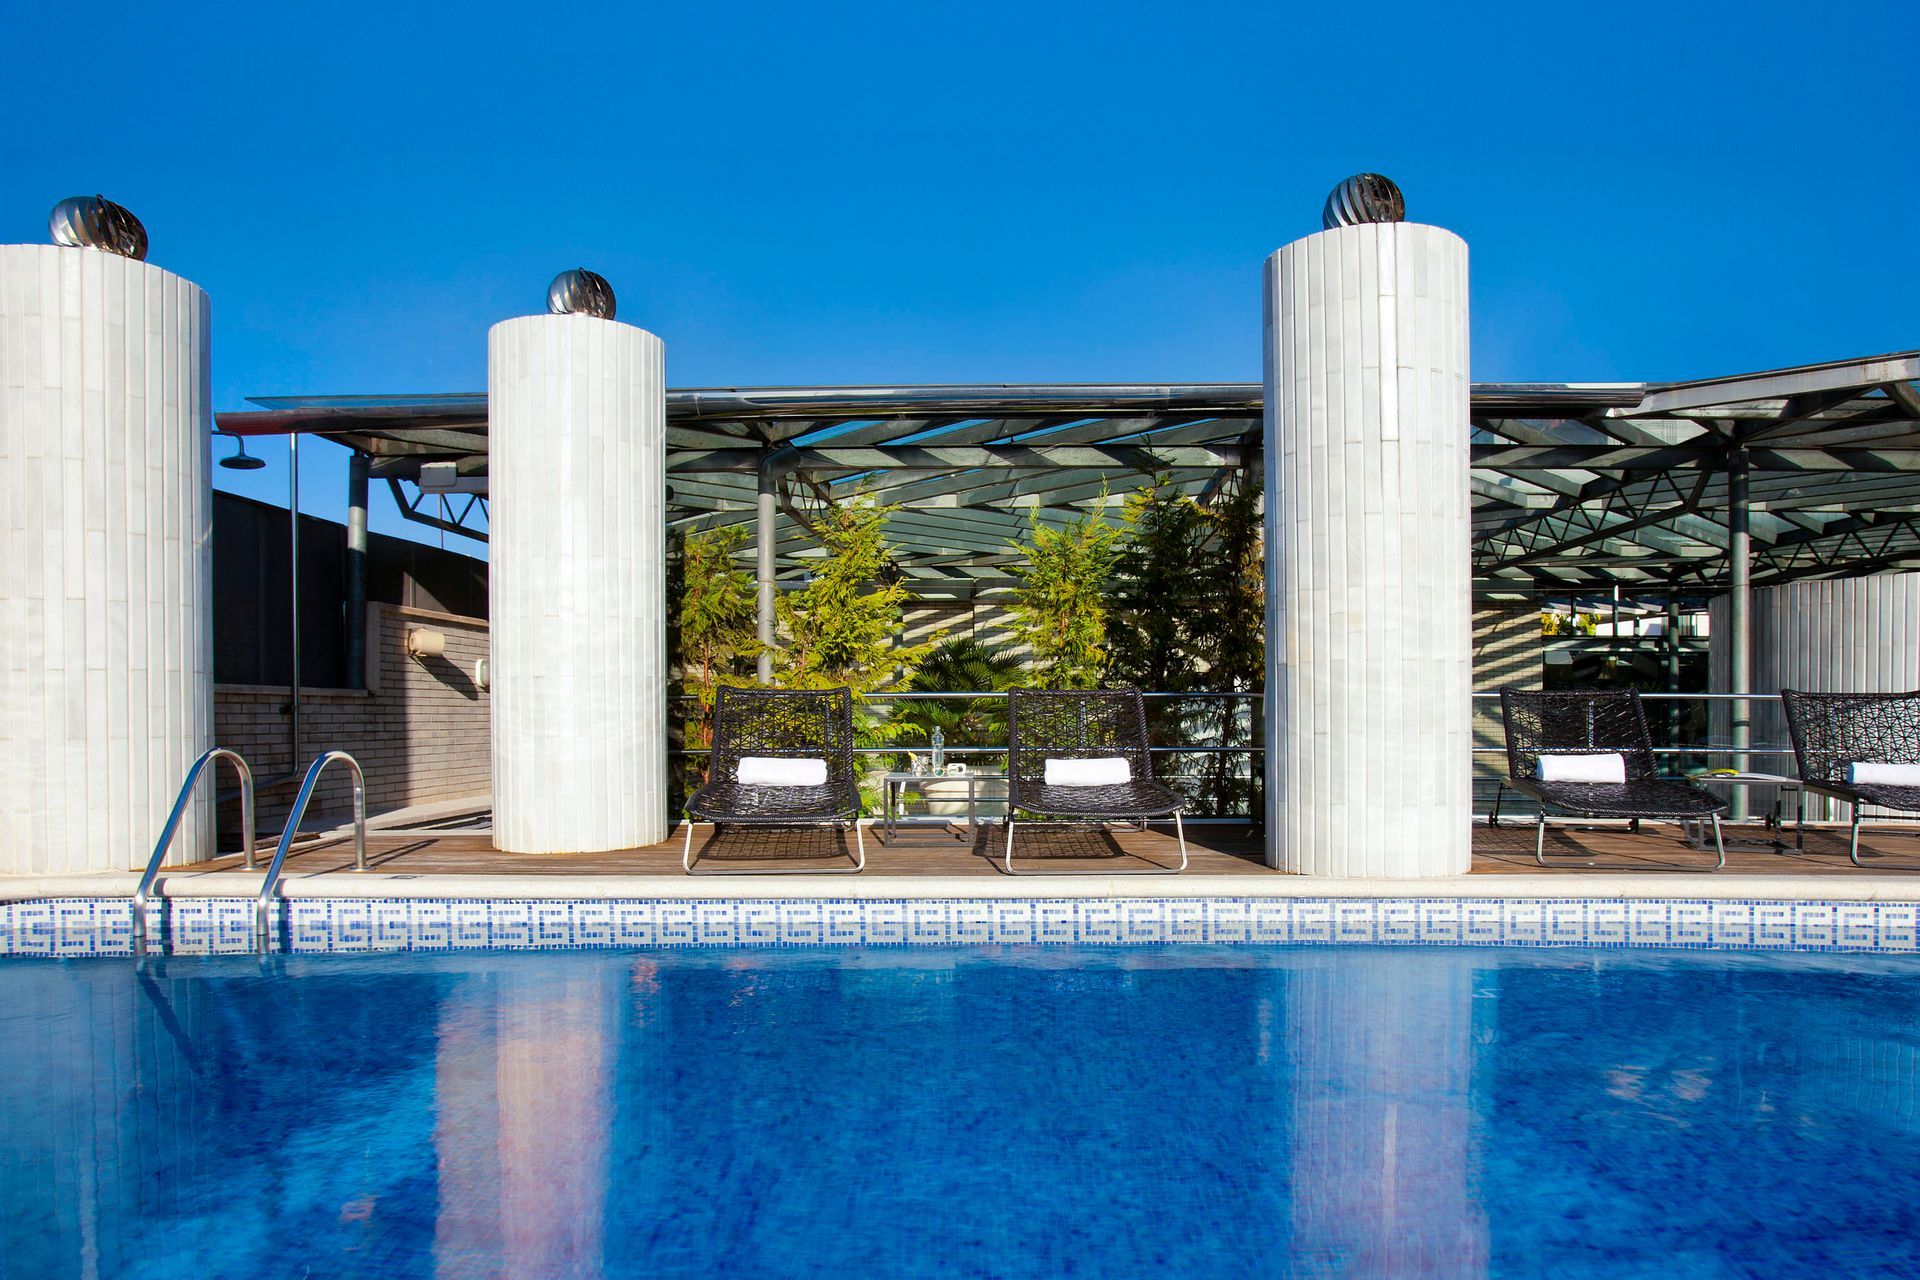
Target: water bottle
939,752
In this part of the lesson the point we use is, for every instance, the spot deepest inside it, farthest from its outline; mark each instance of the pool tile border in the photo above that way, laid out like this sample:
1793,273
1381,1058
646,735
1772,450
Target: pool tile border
103,926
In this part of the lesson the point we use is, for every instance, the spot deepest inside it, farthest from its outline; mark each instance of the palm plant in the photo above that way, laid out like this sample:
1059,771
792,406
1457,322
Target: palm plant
963,665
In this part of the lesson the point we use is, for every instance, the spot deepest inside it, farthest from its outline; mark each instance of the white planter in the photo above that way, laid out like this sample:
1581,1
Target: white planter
947,798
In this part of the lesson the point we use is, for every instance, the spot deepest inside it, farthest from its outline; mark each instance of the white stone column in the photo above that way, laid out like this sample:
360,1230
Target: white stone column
576,424
1825,635
106,662
1369,659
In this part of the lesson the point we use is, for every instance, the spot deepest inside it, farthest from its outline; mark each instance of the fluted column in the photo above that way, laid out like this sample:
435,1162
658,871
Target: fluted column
577,477
1834,635
106,665
1369,664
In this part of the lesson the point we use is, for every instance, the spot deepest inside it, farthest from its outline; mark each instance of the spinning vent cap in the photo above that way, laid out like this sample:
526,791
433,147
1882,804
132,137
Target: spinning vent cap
95,222
1365,197
580,292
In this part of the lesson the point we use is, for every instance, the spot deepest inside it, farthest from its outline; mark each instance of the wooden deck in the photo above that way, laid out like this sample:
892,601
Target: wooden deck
1214,850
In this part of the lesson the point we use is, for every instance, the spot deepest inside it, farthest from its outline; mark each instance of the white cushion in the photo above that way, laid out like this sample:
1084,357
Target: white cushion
782,771
1105,771
1869,773
1607,767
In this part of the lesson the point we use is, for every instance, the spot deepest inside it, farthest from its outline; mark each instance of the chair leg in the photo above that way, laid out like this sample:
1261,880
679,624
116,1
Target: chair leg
1853,844
1540,840
1499,789
859,862
1719,845
1179,832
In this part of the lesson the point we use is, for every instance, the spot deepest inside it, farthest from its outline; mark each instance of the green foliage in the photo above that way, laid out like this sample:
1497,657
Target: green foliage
844,626
1189,615
960,666
1568,624
1060,606
717,618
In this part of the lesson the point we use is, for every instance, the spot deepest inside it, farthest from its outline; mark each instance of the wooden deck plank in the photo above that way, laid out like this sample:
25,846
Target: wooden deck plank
1214,850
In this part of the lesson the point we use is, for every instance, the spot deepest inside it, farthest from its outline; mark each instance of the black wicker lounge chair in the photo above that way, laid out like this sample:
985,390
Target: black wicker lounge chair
782,724
1596,723
1832,732
1085,725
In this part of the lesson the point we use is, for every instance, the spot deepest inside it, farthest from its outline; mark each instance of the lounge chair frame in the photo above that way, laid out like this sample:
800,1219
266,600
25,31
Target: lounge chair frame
1065,724
1596,722
1833,730
796,723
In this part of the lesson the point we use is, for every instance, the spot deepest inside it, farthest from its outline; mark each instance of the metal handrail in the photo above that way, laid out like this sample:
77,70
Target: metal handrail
173,823
264,907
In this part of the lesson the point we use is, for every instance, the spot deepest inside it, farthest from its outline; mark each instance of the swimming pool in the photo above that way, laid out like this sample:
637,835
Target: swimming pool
1008,1111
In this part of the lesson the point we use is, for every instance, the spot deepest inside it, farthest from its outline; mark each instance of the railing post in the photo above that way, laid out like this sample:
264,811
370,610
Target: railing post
1740,618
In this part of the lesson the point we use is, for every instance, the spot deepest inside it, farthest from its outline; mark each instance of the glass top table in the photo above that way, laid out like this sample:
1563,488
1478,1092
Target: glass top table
1775,822
895,785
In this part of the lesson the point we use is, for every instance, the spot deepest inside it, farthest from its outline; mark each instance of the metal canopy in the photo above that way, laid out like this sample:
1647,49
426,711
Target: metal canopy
1576,487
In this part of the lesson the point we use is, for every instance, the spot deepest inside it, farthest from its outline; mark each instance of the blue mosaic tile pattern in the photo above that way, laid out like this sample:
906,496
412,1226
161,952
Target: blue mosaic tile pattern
199,926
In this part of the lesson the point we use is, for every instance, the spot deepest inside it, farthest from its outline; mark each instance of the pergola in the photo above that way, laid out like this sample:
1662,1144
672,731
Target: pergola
1696,486
1669,489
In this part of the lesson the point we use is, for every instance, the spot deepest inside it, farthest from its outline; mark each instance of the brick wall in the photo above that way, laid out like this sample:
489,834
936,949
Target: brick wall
991,624
420,731
1506,651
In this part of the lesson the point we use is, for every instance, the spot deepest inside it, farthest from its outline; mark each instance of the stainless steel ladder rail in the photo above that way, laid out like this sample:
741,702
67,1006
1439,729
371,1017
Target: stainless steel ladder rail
173,823
263,909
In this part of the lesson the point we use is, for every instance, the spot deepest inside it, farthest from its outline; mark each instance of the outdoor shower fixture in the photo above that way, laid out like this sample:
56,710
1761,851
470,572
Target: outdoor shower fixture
242,460
95,222
580,292
1365,197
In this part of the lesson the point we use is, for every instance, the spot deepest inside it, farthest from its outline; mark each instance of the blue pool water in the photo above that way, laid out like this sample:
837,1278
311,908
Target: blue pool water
989,1112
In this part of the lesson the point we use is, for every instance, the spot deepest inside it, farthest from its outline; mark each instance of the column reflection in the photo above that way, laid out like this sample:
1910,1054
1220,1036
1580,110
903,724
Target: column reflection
523,1085
1381,1049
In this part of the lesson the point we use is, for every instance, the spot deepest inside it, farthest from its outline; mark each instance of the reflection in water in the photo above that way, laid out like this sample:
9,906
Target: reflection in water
1382,1068
523,1090
1314,1112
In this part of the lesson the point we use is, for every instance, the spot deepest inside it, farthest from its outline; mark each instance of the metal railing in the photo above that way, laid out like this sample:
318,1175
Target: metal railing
263,908
173,824
1744,753
1682,749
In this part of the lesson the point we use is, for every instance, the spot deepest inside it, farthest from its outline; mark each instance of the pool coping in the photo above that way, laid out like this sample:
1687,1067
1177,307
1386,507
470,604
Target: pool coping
1622,886
100,926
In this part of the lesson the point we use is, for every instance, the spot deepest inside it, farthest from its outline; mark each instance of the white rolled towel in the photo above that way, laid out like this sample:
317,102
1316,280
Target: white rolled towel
1103,771
782,771
1605,767
1874,773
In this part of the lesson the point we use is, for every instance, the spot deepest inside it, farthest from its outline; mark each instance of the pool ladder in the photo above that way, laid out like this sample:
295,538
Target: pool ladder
269,888
173,824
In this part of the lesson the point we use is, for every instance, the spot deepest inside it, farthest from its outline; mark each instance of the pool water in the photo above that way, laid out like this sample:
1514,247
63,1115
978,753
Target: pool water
1188,1111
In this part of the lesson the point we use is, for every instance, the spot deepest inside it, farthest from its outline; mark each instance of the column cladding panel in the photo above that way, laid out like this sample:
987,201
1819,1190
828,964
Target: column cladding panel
1369,630
106,664
577,476
1826,635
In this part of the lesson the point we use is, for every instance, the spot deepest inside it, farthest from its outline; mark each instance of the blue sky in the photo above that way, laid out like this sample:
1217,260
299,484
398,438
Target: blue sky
981,192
